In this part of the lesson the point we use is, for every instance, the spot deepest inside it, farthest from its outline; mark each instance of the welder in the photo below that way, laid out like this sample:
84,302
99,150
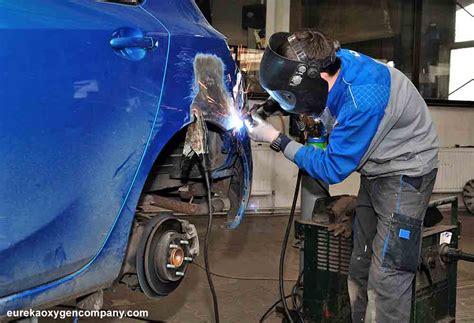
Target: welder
380,127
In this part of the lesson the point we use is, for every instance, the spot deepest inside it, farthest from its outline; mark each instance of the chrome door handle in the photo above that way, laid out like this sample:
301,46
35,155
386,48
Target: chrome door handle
133,42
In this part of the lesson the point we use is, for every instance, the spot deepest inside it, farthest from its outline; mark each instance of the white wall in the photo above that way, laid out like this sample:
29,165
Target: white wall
278,16
454,126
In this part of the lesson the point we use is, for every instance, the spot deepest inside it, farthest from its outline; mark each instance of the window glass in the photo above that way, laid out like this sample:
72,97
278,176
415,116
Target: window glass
382,29
430,41
446,64
461,80
437,38
464,22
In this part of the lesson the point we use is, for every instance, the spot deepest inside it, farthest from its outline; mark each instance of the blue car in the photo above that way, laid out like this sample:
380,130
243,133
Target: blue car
97,102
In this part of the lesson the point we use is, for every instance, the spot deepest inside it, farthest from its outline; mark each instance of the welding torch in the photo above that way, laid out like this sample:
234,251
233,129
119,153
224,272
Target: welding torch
264,110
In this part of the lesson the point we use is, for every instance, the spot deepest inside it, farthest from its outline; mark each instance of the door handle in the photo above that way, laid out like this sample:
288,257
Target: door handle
133,42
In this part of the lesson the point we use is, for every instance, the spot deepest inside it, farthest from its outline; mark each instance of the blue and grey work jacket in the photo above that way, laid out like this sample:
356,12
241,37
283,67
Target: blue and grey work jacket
380,124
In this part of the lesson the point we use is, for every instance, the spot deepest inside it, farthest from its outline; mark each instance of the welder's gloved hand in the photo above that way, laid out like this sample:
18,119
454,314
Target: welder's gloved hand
268,108
260,130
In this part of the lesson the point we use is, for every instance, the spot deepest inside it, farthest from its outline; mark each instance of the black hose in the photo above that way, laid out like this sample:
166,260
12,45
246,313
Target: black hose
270,309
294,294
466,256
206,241
456,254
321,185
284,245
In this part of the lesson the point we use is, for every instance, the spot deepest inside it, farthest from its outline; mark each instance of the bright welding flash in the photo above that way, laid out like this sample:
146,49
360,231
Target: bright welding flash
235,122
239,96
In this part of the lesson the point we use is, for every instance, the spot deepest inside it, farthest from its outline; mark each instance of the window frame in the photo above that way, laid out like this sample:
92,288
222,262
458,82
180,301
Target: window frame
416,33
418,16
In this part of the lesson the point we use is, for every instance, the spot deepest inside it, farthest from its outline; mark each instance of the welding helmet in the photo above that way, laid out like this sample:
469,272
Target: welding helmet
295,84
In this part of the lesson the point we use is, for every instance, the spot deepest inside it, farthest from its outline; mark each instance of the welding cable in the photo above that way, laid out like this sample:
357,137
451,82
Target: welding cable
292,295
283,125
326,191
465,286
284,245
205,170
295,295
241,277
270,309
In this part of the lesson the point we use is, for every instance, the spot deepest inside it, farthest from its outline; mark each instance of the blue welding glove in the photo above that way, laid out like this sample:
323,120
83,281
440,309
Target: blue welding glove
260,130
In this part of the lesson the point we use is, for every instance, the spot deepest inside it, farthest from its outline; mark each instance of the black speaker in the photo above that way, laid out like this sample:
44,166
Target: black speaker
253,16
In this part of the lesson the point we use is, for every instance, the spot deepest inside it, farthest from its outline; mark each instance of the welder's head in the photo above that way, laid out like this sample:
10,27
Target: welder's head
291,67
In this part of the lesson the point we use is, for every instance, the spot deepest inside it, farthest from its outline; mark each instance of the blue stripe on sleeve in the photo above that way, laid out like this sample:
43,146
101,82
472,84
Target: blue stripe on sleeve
358,122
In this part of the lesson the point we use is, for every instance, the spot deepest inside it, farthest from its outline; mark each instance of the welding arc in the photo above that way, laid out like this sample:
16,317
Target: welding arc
205,170
284,245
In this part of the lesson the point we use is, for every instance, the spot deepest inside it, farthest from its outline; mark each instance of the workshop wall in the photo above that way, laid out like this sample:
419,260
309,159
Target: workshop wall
455,126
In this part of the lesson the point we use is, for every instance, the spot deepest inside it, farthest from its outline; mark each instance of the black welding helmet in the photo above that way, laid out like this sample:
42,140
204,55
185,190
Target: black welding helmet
295,84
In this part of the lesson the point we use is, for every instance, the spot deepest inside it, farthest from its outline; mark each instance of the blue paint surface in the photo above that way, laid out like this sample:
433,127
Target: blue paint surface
80,128
404,234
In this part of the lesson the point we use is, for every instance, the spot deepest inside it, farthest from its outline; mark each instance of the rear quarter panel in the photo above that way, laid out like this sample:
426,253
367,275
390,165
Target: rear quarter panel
189,36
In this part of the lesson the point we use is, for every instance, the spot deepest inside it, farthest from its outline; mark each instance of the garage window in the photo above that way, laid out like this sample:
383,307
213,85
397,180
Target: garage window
447,46
431,41
461,67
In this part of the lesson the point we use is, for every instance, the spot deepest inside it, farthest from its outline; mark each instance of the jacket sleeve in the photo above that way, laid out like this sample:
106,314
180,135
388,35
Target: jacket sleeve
348,143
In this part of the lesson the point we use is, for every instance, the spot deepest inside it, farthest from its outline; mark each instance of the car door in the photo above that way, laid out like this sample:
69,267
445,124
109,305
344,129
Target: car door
80,86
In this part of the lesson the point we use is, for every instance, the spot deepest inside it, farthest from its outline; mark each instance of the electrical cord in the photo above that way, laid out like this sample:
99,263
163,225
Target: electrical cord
241,277
295,296
270,309
205,170
284,245
326,191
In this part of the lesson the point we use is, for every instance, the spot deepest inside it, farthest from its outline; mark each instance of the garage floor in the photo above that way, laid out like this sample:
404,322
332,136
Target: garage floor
253,251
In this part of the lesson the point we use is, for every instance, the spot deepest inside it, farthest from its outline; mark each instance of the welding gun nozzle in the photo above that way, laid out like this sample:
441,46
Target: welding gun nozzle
249,118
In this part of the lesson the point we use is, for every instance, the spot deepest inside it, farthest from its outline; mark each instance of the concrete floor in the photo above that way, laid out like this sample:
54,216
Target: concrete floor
253,251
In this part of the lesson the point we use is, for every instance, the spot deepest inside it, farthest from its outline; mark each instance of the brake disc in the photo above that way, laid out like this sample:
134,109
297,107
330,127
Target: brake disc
166,248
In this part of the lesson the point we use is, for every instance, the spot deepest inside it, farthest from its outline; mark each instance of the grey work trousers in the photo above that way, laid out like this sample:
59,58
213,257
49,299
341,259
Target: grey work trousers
387,235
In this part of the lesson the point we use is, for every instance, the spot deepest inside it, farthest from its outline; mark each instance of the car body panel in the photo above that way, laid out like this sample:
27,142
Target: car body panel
73,133
77,161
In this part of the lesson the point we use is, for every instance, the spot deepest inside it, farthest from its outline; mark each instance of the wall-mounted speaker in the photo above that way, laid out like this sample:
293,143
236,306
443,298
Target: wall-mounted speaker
253,16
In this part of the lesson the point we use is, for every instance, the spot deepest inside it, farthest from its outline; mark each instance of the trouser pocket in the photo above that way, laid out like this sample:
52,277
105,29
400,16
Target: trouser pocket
402,244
